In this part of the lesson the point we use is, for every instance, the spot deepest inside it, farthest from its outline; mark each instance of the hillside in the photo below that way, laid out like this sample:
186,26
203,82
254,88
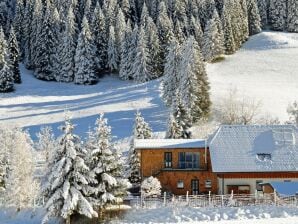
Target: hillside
265,68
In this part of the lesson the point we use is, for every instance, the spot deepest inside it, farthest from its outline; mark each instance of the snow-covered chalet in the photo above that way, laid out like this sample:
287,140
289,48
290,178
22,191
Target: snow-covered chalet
238,158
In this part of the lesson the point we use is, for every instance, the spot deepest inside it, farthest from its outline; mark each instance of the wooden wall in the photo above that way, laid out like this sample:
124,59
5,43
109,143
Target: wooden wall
152,164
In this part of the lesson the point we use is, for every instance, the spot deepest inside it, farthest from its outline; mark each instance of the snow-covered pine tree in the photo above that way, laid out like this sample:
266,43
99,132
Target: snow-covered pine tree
13,51
165,30
27,25
141,130
195,30
174,129
178,33
17,24
278,14
85,57
125,47
230,47
292,21
100,39
133,41
21,188
254,19
68,179
47,46
142,69
144,15
67,50
262,6
6,74
46,143
154,48
194,86
182,116
213,44
105,166
112,51
119,34
171,77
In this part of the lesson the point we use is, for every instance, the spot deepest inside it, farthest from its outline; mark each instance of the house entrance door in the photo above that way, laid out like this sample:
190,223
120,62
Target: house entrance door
194,187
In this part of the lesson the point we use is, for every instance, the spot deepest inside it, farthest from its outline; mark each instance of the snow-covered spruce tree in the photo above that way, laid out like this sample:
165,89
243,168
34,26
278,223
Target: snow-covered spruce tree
150,187
141,130
174,129
119,33
262,6
21,188
278,14
47,143
182,116
125,47
213,43
254,19
194,86
170,80
195,30
112,51
47,46
17,24
165,28
293,113
6,74
229,41
142,69
85,57
100,39
67,181
133,41
27,25
106,167
67,50
13,50
292,21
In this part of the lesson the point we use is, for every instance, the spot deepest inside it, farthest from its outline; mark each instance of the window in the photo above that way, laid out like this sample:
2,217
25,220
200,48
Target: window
264,157
287,181
168,160
189,160
208,184
180,184
259,187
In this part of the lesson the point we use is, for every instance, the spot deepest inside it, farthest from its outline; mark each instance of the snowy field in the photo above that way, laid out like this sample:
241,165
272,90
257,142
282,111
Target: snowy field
265,68
244,215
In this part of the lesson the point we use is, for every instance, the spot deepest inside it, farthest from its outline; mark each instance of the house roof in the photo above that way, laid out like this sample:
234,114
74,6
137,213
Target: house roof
253,148
169,143
285,188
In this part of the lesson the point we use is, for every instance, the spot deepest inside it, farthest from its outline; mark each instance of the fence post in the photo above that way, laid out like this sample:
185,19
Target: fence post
256,196
275,198
164,198
187,199
222,200
209,198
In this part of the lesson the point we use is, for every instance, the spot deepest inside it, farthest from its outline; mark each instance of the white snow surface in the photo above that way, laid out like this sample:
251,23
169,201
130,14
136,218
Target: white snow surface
169,143
265,68
243,215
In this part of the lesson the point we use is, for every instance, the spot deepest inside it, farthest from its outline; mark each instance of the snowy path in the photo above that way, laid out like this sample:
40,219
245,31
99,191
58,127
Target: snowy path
265,68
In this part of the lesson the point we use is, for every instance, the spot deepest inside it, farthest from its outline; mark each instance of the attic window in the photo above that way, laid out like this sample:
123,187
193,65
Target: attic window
264,157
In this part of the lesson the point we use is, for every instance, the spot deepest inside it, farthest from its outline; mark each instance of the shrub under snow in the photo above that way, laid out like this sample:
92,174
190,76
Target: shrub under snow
150,187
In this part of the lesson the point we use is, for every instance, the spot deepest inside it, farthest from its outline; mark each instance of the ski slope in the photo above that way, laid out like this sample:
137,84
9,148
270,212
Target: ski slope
265,68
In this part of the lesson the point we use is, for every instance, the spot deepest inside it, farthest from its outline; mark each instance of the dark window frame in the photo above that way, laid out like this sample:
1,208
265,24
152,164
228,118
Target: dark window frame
168,160
189,160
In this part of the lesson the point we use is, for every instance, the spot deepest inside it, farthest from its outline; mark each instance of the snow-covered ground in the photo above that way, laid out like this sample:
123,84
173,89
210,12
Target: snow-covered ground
265,68
243,215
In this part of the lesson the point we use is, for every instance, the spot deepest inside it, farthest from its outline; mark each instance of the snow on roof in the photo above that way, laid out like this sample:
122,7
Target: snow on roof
285,188
169,143
254,148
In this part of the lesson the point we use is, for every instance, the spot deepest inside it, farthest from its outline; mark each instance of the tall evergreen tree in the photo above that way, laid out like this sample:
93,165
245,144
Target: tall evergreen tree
171,72
254,19
113,57
262,6
278,14
292,18
174,129
85,72
19,29
194,86
141,130
66,189
13,50
6,74
67,50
